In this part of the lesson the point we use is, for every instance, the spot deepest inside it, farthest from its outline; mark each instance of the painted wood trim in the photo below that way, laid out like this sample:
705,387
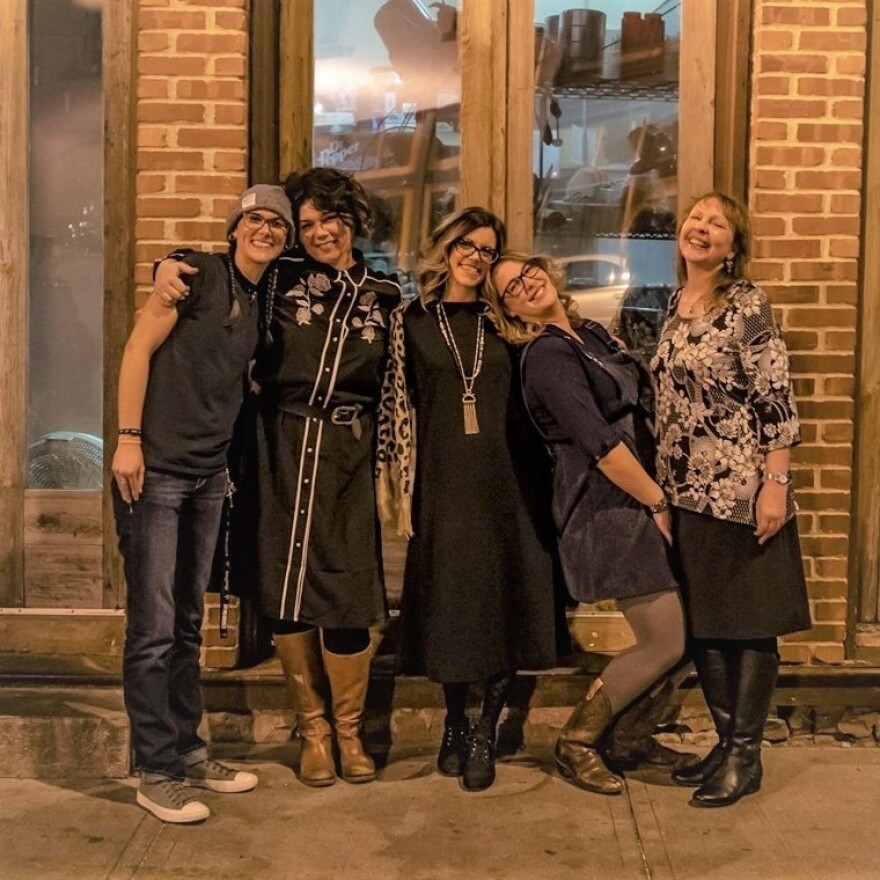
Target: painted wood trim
120,164
696,142
864,568
297,85
13,295
732,94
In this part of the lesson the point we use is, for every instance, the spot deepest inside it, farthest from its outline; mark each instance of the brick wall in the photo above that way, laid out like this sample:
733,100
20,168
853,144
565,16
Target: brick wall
808,80
192,123
805,179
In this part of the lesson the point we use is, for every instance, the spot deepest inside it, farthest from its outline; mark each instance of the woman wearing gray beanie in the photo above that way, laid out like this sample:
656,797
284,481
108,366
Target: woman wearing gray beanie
180,389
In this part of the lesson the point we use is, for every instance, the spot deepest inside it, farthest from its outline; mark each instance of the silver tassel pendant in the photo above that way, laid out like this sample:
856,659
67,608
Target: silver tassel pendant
469,405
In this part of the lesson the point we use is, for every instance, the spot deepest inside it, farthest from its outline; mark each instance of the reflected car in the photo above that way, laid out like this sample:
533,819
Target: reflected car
601,289
598,285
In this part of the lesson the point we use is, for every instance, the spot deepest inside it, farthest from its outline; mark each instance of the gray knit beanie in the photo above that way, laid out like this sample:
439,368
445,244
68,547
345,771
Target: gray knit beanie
268,197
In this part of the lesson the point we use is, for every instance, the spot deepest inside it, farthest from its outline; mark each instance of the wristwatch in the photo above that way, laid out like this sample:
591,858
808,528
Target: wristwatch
783,477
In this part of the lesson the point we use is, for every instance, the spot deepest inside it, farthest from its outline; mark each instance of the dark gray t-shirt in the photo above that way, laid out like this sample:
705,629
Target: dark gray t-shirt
196,376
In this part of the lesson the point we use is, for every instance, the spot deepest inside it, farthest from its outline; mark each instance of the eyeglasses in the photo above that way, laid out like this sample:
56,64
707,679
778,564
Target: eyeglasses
466,248
516,286
255,222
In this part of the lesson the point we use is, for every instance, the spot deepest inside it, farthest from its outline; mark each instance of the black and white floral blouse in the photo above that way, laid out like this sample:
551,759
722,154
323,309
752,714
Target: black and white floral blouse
724,400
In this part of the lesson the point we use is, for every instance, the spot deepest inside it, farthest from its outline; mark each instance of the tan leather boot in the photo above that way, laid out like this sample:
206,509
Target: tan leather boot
349,676
300,655
576,749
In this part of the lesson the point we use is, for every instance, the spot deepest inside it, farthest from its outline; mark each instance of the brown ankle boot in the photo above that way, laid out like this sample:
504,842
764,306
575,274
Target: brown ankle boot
349,676
577,755
300,655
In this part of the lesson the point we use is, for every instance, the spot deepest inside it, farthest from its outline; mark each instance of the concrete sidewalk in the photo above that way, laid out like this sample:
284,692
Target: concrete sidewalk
816,819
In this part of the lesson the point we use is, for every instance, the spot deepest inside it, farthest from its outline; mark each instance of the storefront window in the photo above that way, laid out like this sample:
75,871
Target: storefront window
605,157
387,108
65,305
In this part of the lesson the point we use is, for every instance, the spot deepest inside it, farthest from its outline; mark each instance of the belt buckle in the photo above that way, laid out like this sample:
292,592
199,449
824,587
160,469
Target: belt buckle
344,415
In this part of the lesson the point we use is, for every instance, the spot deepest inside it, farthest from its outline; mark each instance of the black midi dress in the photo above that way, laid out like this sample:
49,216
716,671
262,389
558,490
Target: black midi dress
478,584
311,462
609,545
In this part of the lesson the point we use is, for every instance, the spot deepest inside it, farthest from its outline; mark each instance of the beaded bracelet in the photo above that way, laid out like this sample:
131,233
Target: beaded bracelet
660,507
133,432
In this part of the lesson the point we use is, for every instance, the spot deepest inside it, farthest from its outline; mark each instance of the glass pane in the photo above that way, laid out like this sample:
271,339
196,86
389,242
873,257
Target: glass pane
605,156
387,108
66,245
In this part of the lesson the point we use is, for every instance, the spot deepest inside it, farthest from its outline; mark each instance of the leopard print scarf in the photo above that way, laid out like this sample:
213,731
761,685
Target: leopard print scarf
396,427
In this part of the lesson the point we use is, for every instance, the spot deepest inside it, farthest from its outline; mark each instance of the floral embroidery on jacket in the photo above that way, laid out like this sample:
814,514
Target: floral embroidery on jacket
314,284
724,400
370,317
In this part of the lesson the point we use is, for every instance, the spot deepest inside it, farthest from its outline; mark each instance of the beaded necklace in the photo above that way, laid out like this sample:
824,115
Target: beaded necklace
468,399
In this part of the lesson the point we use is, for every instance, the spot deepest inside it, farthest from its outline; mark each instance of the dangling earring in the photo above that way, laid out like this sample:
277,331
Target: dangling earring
728,265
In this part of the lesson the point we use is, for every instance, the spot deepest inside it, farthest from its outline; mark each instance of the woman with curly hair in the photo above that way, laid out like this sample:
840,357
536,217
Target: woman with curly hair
460,474
312,444
611,517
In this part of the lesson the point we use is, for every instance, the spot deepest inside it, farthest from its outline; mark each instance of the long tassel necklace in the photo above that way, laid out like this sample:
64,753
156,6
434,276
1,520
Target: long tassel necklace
468,399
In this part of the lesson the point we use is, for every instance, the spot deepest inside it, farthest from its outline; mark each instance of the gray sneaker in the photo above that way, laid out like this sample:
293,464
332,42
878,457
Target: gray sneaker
168,800
218,777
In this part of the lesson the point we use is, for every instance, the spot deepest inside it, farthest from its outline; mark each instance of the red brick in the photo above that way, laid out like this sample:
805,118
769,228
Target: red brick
168,207
828,180
788,203
831,86
818,132
146,229
772,85
153,41
820,632
841,294
770,131
794,653
793,62
171,112
832,568
848,110
202,138
790,108
230,114
851,16
846,157
801,15
166,160
229,66
829,589
769,178
803,387
801,340
845,247
160,20
172,65
825,500
152,137
836,478
833,41
230,20
840,340
207,184
850,64
839,386
774,41
790,156
768,226
211,44
825,225
824,270
763,271
230,161
825,455
201,230
152,88
812,364
791,247
151,183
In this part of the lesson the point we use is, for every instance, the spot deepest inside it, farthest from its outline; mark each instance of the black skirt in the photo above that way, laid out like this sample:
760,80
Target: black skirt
734,588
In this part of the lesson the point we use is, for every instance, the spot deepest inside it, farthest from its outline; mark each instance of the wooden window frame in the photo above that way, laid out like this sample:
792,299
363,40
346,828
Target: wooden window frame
45,640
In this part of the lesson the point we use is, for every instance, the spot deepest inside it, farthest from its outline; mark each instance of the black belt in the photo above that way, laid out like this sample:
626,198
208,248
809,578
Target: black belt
344,415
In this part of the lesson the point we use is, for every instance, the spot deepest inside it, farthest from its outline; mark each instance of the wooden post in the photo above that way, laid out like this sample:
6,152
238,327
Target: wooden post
13,296
297,85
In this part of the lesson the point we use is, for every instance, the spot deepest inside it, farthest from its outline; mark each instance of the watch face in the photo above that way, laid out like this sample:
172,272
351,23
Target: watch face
782,479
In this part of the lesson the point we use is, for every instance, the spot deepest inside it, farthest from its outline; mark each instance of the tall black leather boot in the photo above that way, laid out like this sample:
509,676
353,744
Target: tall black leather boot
629,742
719,686
478,768
740,771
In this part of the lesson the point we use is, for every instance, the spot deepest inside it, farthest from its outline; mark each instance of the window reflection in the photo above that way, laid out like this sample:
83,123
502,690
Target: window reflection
66,245
387,100
605,156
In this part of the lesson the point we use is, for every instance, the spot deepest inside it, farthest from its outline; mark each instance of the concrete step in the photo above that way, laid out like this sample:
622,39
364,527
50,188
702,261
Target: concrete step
58,732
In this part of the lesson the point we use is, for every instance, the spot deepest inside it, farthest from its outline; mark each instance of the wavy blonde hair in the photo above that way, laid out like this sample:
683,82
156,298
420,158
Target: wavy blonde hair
737,215
433,267
512,328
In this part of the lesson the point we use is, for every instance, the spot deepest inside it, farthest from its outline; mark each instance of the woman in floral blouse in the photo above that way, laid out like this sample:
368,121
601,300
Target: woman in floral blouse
726,420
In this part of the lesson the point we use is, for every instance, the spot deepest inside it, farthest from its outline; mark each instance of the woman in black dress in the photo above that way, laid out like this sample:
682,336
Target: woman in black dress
726,422
478,590
612,519
317,563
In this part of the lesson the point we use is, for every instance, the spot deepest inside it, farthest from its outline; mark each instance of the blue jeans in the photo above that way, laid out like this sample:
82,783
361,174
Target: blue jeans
167,539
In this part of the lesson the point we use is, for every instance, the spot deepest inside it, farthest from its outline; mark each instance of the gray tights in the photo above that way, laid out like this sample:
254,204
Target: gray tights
657,621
